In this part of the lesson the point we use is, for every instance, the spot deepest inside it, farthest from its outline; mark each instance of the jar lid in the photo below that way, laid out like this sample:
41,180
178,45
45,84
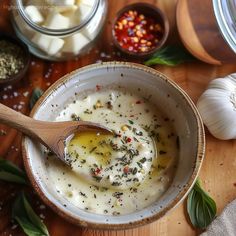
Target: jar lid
55,31
225,12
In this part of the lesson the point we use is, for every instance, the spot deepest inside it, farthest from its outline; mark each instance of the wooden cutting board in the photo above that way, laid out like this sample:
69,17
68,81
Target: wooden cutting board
218,172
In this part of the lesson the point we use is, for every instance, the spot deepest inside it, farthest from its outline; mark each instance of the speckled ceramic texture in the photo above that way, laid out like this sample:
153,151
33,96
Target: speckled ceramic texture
167,95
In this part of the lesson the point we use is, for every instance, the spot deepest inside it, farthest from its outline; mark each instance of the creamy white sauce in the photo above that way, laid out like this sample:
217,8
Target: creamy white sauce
122,173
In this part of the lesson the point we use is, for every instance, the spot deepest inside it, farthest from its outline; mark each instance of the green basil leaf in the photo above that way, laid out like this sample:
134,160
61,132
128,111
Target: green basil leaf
36,94
191,204
6,176
171,55
11,173
28,228
23,213
201,207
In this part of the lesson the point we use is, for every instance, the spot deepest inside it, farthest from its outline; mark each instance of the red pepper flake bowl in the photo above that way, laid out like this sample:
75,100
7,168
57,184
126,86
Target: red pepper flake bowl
140,29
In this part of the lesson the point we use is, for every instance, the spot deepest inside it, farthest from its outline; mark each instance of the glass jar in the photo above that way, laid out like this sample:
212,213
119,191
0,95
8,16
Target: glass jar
225,12
58,32
208,29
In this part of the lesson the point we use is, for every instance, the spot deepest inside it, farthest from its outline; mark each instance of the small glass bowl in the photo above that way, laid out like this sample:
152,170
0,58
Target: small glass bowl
150,11
26,57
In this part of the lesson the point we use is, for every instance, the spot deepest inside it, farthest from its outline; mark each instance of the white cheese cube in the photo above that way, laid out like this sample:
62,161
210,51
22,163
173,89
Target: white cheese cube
70,14
50,45
34,14
41,5
57,21
61,2
90,31
86,2
69,10
55,46
75,43
82,12
42,41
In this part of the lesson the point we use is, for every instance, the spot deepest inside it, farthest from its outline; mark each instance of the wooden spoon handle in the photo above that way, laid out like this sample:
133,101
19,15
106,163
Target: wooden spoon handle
17,120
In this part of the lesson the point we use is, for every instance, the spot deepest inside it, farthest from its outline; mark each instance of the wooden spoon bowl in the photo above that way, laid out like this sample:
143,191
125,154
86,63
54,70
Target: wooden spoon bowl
53,135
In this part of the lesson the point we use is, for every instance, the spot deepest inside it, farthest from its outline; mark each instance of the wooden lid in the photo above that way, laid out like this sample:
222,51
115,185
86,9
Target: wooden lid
200,33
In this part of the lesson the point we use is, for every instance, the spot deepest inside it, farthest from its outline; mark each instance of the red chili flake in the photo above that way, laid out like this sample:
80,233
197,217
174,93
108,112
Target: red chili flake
97,171
138,102
128,140
126,170
234,184
98,87
137,32
131,116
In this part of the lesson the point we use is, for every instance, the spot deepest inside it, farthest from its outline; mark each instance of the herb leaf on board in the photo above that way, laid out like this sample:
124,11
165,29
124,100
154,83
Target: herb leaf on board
36,94
171,55
23,213
11,173
201,207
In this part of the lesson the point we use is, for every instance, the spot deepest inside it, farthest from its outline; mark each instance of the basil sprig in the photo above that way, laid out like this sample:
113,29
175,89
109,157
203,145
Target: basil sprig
171,55
201,207
36,94
26,217
11,173
22,212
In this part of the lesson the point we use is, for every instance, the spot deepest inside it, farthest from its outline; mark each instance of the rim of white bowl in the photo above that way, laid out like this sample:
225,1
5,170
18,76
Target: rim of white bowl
65,213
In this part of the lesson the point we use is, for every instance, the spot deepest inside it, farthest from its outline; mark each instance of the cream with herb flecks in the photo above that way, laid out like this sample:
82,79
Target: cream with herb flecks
120,173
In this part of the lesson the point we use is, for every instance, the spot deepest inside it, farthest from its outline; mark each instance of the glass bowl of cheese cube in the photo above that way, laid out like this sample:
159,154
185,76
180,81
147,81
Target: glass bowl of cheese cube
58,30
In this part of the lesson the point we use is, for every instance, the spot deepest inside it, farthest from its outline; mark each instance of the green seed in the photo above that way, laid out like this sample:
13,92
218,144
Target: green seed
11,59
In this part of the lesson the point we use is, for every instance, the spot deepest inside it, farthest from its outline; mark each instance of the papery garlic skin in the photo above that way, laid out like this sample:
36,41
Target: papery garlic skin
217,106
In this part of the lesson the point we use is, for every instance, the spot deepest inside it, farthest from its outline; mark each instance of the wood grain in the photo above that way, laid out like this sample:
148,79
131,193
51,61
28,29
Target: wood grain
218,172
200,32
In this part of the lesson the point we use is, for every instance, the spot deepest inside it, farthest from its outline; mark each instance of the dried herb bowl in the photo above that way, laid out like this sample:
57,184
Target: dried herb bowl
167,95
13,54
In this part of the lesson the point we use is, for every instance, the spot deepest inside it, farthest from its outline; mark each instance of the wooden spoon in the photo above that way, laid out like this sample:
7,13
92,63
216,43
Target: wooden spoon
53,135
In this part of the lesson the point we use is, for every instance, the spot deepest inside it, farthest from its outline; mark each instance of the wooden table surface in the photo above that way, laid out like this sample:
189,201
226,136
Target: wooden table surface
218,171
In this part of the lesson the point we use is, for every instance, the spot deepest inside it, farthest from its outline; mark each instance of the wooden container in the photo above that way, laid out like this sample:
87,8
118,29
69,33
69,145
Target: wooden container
205,29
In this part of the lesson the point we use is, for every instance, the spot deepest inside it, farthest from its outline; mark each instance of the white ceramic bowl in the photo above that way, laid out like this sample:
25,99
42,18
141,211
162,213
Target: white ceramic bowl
168,96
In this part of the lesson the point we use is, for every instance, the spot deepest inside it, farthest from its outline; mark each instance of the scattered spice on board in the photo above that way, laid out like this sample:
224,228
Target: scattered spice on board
137,32
11,59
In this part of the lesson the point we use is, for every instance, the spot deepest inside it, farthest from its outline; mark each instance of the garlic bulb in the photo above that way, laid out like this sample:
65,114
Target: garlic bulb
217,106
